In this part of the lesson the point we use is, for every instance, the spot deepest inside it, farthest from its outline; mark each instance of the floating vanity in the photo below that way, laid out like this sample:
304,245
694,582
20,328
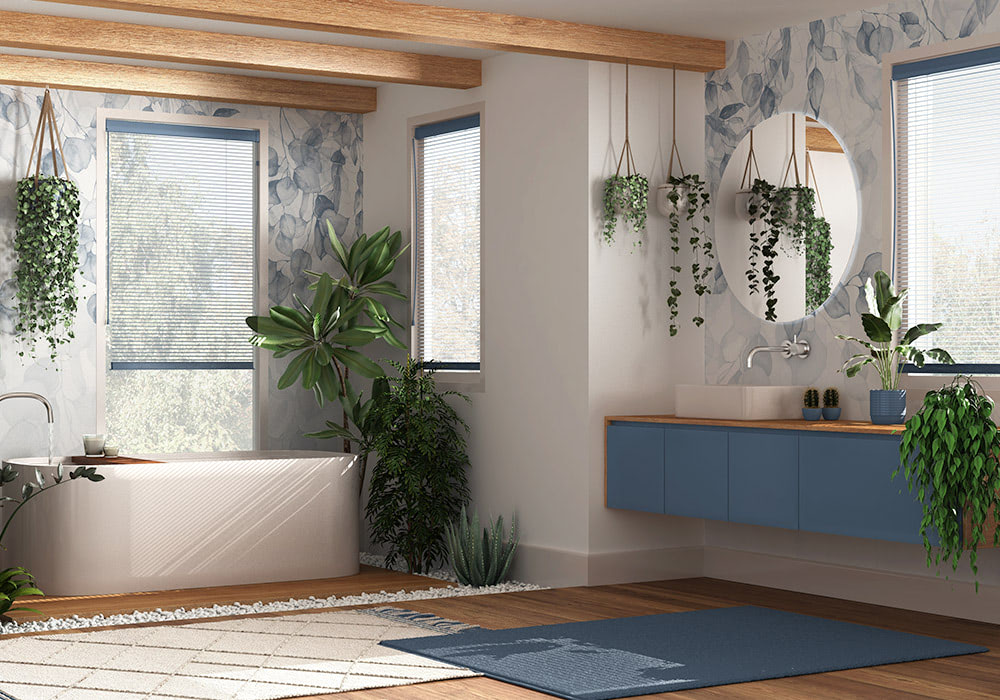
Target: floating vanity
823,476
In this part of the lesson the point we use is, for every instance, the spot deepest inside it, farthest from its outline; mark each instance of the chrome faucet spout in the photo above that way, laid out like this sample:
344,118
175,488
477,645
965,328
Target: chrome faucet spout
31,395
789,348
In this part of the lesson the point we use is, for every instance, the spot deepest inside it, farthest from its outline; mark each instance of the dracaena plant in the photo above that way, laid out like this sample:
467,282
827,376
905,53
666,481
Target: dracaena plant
345,313
885,352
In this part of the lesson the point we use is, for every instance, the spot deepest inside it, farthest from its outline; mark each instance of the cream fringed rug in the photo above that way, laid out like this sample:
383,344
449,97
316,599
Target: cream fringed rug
242,659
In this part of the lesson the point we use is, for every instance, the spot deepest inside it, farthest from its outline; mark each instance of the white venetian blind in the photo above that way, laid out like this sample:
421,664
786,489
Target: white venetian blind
181,232
447,279
947,151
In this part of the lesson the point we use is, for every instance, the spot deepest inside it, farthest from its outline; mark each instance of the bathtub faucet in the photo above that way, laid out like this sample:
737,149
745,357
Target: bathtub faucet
31,395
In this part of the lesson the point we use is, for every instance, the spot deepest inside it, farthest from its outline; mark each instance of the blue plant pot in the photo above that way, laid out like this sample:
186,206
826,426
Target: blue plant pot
831,413
887,407
812,413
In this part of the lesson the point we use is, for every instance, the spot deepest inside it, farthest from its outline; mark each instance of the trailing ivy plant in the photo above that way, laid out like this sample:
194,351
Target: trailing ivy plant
418,485
818,245
948,455
697,207
766,209
46,242
628,196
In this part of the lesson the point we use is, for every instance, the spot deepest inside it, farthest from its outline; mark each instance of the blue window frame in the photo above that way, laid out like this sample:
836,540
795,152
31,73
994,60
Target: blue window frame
947,204
446,245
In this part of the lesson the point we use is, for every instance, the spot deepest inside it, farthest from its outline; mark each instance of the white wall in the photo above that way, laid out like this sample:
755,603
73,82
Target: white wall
634,363
528,445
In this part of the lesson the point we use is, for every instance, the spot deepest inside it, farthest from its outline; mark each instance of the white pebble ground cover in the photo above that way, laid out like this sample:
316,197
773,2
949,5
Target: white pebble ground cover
292,604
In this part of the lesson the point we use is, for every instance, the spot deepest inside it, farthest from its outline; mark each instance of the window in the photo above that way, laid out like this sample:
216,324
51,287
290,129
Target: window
947,247
181,223
446,246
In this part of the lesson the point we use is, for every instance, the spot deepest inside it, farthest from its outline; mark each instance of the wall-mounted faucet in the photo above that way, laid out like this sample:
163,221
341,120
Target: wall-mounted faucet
31,395
789,348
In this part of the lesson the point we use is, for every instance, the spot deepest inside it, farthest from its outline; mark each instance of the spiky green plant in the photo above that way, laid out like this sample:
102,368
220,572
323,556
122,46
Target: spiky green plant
810,398
831,398
480,560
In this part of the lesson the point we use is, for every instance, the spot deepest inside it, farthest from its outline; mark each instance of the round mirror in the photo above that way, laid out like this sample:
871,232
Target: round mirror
786,217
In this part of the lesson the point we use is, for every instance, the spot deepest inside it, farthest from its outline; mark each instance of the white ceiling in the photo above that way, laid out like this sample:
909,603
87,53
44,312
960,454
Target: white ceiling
718,19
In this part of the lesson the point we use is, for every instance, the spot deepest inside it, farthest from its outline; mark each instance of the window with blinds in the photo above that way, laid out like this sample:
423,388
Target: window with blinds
182,204
447,244
947,222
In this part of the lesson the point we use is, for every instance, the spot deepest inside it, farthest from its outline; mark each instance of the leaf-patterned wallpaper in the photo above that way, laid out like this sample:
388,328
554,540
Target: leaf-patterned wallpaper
830,69
314,175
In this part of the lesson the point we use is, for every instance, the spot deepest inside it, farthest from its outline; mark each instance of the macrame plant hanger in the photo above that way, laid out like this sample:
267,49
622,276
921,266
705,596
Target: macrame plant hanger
673,135
626,155
815,183
748,179
792,160
47,125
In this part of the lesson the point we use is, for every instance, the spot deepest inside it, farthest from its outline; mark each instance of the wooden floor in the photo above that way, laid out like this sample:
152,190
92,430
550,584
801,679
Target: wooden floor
966,677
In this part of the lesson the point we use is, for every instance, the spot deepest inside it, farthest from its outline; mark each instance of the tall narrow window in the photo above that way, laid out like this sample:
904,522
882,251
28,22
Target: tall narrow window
447,244
181,251
947,251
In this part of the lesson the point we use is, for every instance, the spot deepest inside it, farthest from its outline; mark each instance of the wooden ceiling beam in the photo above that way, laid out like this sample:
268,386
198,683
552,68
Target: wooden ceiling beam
186,84
819,138
445,25
119,40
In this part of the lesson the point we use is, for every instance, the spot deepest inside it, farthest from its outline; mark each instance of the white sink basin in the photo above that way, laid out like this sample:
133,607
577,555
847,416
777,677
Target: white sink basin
739,402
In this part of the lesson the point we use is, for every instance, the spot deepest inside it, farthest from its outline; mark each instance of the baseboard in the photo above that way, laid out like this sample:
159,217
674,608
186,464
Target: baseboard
644,565
929,594
547,566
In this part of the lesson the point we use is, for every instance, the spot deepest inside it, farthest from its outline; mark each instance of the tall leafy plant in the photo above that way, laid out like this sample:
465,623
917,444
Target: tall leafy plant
418,485
948,455
345,313
885,350
696,207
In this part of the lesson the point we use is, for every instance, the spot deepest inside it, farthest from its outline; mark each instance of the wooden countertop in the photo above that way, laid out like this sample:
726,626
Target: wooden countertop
822,426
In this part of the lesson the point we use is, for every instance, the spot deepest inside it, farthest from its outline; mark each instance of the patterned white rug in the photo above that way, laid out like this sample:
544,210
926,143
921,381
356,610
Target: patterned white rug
244,659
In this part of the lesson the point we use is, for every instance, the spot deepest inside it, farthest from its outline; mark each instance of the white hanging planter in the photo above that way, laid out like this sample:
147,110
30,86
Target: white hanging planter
665,206
743,200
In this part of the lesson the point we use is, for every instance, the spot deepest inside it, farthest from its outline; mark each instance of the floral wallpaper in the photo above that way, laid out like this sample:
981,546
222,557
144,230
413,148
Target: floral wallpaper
314,175
830,69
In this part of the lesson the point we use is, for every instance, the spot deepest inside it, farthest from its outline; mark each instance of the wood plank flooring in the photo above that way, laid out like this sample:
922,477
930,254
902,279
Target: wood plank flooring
966,677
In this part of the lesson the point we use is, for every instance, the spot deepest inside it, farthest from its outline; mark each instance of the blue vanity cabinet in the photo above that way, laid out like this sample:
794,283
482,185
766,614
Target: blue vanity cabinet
696,475
845,488
635,466
764,478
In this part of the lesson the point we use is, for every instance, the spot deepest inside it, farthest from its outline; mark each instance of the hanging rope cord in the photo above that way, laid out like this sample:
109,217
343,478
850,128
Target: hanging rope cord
673,134
47,121
629,161
815,185
747,181
792,160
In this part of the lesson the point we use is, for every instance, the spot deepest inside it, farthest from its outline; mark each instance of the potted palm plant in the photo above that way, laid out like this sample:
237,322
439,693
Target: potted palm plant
886,350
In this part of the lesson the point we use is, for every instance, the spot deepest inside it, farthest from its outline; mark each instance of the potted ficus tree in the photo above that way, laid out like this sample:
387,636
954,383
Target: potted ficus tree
886,350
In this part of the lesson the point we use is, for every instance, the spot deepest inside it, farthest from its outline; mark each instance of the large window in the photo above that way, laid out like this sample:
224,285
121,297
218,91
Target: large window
947,247
182,203
447,244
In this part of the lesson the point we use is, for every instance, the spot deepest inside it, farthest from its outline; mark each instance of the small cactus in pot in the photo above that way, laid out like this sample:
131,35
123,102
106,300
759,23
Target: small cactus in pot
831,404
810,404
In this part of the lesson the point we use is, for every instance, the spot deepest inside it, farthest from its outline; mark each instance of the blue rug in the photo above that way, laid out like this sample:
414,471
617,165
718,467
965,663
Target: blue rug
629,656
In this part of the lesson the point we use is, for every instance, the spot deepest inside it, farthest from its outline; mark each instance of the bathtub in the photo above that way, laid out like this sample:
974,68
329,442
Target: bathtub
195,520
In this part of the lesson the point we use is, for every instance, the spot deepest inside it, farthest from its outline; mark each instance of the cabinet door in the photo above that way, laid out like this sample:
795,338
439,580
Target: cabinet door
697,472
845,488
764,478
635,467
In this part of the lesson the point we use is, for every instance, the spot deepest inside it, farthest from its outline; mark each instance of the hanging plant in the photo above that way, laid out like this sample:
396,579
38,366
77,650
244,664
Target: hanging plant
765,208
626,195
46,242
688,195
948,455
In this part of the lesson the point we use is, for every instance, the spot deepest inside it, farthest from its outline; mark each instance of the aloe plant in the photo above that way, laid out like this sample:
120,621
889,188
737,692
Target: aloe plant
345,313
480,560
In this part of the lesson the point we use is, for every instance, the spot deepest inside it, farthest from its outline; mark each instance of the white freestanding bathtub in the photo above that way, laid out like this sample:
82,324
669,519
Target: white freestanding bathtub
195,520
